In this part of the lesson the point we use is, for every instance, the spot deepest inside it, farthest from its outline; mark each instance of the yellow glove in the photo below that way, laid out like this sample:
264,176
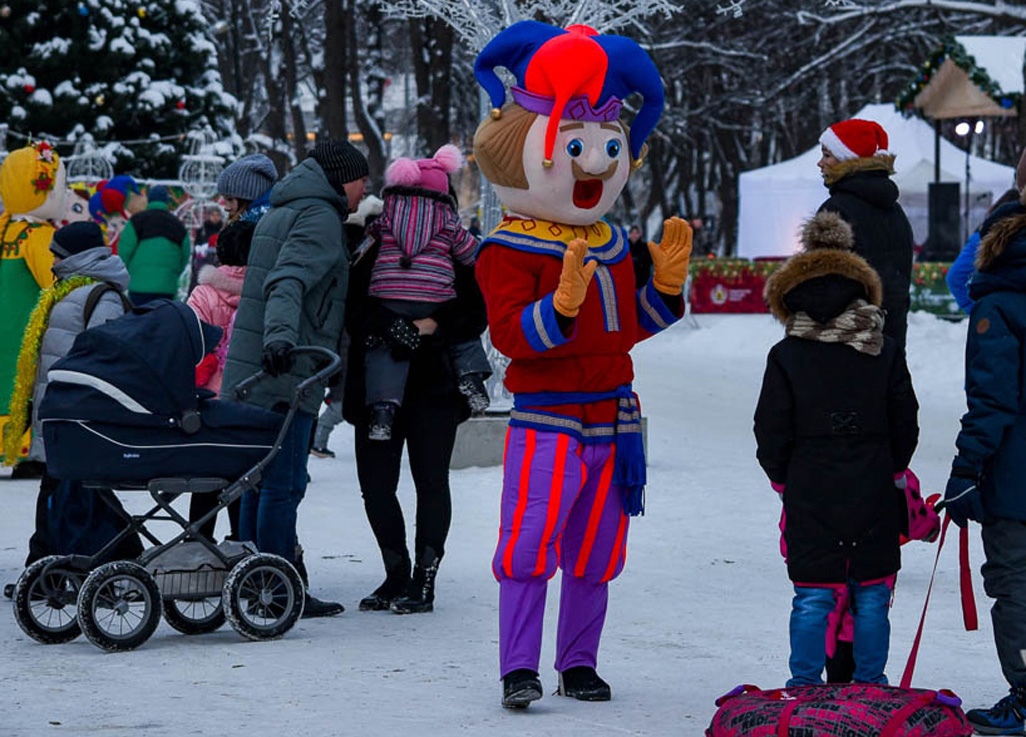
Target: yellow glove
671,257
573,282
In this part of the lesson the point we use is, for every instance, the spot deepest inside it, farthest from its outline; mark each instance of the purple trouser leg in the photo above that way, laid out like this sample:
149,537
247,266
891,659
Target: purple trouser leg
521,612
582,612
559,507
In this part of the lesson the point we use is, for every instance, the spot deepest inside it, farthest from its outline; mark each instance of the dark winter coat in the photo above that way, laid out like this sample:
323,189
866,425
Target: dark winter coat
833,425
992,442
432,373
295,287
864,195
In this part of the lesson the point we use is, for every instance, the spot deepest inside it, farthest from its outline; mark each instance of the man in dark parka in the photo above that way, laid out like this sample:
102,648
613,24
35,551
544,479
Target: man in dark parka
294,294
857,168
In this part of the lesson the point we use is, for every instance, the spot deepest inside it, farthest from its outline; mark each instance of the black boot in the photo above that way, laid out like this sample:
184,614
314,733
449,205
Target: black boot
312,606
28,470
381,419
420,594
584,684
520,688
397,581
841,667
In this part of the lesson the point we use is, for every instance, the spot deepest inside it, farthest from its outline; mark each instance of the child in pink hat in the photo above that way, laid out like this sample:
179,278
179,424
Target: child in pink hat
420,236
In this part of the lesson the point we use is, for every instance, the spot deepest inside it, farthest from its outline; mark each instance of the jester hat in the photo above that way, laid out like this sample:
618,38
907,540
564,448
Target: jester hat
572,74
110,197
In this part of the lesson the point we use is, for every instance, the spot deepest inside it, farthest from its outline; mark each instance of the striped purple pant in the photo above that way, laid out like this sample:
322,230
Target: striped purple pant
559,508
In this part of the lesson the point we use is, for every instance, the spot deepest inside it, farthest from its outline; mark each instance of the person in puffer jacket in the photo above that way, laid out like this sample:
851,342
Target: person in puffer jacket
421,236
82,265
835,424
987,483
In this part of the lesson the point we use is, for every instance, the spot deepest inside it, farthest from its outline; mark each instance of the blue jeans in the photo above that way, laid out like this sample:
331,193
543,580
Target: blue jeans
809,612
269,518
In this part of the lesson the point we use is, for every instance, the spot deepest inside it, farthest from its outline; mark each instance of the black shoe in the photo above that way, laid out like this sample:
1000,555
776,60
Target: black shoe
520,688
472,387
584,684
1007,716
9,591
420,594
322,452
382,416
28,470
314,608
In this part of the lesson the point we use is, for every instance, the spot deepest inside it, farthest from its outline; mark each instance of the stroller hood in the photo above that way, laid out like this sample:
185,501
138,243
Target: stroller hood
139,369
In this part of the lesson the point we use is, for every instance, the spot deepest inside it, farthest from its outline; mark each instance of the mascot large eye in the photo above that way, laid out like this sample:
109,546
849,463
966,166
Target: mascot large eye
613,148
575,148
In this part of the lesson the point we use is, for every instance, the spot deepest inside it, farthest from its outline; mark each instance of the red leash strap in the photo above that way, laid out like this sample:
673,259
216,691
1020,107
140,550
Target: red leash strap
965,585
901,716
965,582
910,664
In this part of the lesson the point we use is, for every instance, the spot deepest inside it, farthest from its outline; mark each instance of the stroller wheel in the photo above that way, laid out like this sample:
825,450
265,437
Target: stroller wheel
119,606
46,601
263,596
194,616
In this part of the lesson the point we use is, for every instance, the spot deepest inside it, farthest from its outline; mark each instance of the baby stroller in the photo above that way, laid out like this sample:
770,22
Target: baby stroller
122,412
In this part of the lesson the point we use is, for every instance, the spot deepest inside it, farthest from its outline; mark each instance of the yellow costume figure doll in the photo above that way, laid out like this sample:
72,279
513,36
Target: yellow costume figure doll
33,186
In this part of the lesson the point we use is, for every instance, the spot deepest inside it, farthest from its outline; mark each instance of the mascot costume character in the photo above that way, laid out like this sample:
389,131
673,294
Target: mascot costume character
33,186
562,305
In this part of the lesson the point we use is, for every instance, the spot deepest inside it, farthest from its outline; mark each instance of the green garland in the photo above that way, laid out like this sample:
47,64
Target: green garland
952,49
28,359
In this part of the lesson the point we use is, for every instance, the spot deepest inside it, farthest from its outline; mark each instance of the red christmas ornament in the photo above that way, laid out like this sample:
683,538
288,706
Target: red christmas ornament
180,104
30,88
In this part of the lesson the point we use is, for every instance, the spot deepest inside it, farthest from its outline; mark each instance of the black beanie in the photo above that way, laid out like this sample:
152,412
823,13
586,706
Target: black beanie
77,237
341,161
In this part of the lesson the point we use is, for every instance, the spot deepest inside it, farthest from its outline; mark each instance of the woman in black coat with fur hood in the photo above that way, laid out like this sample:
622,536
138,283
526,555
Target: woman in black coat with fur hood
835,423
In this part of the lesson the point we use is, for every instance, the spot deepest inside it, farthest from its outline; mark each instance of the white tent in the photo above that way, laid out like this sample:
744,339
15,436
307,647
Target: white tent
775,200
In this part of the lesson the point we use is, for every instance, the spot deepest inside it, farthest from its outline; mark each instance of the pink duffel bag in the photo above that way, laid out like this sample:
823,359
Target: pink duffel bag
839,710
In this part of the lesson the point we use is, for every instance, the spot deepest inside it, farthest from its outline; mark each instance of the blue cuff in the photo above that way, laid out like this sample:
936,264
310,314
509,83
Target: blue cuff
538,321
653,314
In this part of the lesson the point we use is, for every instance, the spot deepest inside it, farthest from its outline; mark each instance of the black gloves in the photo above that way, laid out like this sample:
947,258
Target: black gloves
403,338
277,358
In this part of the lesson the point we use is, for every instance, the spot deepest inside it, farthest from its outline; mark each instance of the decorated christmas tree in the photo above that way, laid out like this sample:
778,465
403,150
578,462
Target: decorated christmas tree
135,75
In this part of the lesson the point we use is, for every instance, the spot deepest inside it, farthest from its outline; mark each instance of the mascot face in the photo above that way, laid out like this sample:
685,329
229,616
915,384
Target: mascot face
76,206
53,207
590,167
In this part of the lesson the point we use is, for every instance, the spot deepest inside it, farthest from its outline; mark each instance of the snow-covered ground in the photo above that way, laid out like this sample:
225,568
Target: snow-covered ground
701,607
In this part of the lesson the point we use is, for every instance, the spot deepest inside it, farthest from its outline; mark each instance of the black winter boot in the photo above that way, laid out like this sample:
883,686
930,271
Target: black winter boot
420,594
520,688
397,581
583,684
313,607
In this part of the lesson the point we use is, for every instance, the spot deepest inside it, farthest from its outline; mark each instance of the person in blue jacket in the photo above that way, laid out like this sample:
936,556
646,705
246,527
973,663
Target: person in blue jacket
963,266
987,482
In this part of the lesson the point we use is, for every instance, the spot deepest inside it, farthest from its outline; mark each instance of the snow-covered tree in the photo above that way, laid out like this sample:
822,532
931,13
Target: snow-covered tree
142,73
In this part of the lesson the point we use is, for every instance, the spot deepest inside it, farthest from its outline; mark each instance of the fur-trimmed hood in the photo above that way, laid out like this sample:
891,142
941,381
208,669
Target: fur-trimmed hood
825,278
1000,232
226,279
842,169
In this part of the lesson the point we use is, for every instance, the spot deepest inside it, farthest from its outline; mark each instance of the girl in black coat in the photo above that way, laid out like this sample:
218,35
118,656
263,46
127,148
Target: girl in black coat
835,423
426,424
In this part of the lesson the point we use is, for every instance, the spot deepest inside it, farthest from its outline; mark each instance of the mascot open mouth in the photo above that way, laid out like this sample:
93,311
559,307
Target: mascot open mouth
587,193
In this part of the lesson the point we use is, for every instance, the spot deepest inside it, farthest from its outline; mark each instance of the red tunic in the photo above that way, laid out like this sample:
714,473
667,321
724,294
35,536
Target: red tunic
518,269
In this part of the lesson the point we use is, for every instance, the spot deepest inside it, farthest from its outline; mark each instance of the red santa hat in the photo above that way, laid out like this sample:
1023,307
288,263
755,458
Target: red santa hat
855,139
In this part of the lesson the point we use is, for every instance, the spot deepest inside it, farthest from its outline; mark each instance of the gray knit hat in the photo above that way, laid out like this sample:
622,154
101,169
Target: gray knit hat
341,161
247,178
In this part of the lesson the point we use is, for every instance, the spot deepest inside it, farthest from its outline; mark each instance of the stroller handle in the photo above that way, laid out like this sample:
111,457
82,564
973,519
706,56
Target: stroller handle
245,386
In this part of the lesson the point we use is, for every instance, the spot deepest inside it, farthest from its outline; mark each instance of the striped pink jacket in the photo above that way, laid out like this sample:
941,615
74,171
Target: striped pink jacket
421,236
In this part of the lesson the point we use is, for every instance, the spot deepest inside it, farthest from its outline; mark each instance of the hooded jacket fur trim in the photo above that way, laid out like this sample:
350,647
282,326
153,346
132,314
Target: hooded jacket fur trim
842,169
812,264
997,239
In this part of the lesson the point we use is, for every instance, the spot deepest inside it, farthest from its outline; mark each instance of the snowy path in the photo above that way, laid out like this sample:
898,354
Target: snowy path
702,606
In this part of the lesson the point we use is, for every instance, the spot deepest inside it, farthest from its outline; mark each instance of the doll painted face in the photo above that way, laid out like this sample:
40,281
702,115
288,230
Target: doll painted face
590,166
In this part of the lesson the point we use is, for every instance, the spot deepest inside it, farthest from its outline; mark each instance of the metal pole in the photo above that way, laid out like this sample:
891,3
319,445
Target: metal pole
936,149
965,223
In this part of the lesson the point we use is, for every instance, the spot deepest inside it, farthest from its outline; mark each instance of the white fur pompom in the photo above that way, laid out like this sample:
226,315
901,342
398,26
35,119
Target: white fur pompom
403,172
449,158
